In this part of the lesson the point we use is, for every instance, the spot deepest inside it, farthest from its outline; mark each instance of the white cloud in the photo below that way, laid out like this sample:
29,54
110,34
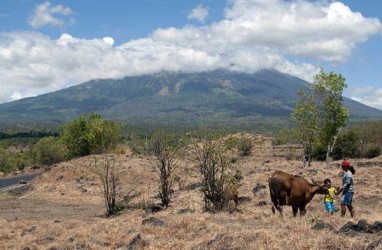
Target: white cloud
368,95
108,40
199,13
46,14
253,35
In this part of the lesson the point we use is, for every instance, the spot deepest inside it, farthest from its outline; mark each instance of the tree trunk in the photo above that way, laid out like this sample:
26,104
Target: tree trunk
330,150
304,160
328,156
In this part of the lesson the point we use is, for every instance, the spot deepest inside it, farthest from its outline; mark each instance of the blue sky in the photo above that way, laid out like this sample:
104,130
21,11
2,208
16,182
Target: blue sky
49,45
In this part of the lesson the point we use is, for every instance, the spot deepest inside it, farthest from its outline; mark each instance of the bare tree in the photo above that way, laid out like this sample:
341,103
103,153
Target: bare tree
166,150
108,175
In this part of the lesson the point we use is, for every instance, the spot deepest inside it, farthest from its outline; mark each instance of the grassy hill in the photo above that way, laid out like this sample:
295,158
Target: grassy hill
217,98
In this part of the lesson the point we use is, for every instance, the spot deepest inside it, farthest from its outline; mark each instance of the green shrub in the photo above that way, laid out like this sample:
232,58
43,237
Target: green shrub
6,165
75,137
10,162
50,150
91,134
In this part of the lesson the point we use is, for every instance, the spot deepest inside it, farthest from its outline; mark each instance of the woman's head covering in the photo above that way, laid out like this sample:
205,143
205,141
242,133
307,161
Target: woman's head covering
345,164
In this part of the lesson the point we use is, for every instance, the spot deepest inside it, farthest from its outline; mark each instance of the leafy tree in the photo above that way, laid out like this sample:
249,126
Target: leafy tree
320,114
305,115
102,134
75,137
90,134
328,89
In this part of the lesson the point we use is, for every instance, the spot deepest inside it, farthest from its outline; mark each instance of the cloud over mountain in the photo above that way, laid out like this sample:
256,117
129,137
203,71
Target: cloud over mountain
253,35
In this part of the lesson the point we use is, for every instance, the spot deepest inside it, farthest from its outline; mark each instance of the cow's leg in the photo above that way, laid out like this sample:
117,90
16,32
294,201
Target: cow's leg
273,209
302,211
295,210
280,209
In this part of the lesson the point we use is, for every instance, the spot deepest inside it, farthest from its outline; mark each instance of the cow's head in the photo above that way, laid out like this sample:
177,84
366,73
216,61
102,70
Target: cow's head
320,187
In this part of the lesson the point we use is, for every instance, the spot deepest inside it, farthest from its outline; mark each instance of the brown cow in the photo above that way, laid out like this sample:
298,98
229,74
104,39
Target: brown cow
292,190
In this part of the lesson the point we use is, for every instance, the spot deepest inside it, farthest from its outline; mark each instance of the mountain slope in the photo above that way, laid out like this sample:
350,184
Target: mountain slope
220,97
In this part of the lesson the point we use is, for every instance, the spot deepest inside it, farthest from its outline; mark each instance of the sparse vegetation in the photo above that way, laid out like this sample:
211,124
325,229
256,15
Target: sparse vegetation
70,198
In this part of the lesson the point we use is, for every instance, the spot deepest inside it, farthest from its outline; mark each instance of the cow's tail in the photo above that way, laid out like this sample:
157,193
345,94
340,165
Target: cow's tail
274,191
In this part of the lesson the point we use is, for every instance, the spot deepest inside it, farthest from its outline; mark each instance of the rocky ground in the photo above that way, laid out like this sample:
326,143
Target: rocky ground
63,209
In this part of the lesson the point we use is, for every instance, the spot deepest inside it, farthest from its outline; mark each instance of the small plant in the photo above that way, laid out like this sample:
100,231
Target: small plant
245,146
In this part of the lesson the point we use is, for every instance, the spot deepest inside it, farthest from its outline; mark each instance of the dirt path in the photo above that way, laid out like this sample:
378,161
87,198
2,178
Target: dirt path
32,209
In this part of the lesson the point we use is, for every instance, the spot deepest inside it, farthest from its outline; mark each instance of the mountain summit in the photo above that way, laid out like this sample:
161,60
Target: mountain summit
220,97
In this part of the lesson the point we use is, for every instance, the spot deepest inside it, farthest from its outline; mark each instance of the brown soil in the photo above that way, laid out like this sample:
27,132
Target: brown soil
65,210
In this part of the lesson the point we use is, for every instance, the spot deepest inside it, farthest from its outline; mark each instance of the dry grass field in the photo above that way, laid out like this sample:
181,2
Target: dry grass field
63,209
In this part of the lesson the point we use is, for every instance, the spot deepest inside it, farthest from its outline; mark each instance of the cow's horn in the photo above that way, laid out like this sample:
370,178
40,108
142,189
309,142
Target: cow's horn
313,181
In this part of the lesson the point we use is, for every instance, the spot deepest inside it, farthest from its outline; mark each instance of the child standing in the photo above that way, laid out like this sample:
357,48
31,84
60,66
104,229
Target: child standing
329,197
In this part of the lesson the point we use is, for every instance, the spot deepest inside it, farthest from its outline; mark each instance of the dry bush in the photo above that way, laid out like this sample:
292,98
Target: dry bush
218,184
108,175
166,151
